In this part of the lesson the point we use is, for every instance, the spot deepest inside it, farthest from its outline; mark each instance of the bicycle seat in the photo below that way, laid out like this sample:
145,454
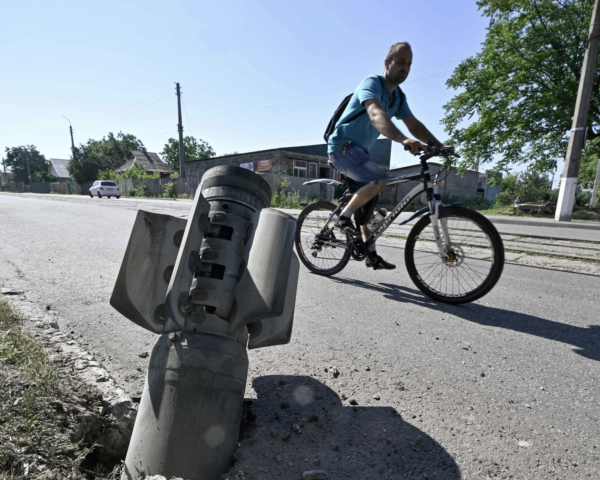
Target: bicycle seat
353,186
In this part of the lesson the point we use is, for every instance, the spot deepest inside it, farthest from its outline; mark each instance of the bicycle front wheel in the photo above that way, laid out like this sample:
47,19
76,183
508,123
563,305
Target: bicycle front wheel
473,260
321,249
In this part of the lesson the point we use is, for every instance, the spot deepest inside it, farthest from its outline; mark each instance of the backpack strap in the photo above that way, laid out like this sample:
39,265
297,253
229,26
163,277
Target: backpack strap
355,116
332,126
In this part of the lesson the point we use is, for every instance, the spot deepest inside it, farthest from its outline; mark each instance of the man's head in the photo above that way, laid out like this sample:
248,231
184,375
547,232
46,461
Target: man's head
398,62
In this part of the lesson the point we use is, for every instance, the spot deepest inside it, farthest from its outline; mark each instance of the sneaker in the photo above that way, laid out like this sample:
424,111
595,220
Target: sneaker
379,264
345,225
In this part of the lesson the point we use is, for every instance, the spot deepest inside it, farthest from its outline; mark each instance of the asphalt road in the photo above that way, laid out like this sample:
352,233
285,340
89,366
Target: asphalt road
506,387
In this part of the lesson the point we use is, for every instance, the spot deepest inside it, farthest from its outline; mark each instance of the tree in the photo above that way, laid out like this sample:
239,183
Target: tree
43,176
523,84
589,163
107,154
193,150
17,159
529,186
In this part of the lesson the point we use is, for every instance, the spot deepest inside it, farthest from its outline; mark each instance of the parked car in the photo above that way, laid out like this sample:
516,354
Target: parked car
102,188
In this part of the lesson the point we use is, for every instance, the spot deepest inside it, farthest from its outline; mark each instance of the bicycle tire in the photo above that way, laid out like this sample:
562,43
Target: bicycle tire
320,259
476,244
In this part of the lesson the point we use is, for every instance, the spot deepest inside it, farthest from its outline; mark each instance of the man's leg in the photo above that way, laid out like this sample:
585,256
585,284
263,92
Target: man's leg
356,164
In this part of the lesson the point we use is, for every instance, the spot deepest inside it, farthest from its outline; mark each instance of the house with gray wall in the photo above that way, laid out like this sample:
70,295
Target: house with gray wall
59,167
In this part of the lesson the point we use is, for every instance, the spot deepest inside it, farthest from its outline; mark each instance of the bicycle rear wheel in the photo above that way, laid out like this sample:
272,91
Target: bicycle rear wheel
475,257
320,249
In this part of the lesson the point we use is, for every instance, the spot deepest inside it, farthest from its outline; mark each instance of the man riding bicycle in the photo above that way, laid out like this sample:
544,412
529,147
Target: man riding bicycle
354,135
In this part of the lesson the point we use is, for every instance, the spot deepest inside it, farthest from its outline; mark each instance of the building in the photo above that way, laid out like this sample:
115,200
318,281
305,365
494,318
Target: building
486,191
59,168
150,161
309,161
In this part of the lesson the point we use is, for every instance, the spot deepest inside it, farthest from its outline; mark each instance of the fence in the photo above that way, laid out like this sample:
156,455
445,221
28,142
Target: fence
16,187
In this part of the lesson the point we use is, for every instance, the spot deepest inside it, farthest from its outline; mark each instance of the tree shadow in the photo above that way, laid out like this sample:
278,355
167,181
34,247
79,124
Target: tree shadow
585,339
306,427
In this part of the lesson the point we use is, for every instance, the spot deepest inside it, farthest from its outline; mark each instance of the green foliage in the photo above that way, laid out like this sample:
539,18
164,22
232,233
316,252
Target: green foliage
522,84
136,171
43,176
192,149
529,186
100,155
174,175
141,190
17,159
169,189
284,198
589,163
583,198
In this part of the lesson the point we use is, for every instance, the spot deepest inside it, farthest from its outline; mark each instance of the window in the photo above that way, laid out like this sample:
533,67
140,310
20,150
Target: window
312,170
299,168
109,184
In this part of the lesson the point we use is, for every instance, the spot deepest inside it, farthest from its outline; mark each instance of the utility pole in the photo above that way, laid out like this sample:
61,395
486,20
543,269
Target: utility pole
180,128
594,201
568,186
28,169
72,141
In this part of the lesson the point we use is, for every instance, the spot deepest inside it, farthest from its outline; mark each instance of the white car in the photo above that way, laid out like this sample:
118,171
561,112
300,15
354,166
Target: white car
103,188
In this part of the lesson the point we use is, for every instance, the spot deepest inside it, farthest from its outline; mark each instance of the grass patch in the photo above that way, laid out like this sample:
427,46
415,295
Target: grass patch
284,197
48,420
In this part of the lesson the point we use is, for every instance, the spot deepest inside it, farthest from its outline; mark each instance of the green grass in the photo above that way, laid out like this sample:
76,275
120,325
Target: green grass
39,413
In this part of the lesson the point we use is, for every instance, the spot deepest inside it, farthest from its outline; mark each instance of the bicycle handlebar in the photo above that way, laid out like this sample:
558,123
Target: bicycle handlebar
435,152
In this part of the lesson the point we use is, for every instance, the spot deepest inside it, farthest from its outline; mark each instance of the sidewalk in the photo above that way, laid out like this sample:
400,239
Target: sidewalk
547,228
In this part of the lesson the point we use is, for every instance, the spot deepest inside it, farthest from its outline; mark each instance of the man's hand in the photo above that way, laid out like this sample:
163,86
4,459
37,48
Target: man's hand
415,146
448,147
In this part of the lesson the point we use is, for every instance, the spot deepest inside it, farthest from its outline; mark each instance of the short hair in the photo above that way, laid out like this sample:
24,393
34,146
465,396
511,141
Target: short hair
395,48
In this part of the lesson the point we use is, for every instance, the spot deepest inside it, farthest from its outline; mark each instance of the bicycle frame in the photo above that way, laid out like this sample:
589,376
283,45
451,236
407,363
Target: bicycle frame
433,201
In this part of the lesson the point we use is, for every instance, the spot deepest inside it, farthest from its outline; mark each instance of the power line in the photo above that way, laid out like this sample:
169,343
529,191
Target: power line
187,119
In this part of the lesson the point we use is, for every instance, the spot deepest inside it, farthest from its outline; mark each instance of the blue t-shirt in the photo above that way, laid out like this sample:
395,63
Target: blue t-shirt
361,131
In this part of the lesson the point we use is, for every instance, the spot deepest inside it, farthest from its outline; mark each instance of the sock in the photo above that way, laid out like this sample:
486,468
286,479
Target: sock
346,213
373,248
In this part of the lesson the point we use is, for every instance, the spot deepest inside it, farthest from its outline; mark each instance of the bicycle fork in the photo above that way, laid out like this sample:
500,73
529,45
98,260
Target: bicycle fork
441,240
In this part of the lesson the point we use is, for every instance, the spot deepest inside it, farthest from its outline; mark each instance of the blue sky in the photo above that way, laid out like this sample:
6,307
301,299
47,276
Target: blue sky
254,75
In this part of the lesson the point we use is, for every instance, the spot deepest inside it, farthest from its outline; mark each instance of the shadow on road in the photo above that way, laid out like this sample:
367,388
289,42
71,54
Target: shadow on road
307,427
585,339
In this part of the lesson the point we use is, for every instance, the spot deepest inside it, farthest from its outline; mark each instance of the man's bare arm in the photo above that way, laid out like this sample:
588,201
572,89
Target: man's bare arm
382,122
420,131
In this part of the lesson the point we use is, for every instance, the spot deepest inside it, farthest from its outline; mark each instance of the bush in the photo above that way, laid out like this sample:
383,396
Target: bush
530,186
136,171
169,190
282,198
41,177
583,199
141,190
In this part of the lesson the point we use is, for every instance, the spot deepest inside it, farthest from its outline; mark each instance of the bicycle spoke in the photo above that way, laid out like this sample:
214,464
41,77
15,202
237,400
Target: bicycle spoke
467,264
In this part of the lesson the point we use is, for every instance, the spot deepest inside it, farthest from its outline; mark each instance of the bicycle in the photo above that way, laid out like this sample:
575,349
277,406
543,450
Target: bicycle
452,254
